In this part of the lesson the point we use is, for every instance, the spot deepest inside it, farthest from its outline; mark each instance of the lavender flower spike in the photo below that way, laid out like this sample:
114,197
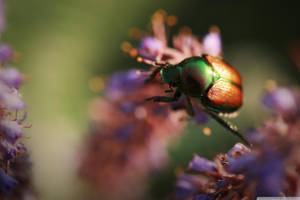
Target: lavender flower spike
199,164
6,182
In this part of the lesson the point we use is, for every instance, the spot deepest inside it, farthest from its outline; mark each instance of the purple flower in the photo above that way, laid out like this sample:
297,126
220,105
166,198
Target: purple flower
6,182
150,48
282,101
127,107
212,44
221,183
12,130
199,164
10,98
123,82
266,170
185,186
241,164
270,175
200,116
8,150
6,53
254,136
237,150
205,197
11,76
123,133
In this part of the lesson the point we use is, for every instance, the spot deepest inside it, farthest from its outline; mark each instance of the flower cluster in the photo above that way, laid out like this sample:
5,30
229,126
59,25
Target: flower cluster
128,136
14,164
270,168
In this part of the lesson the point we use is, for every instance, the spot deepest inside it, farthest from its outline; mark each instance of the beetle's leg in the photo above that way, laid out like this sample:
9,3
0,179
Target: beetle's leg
152,76
176,96
228,126
170,90
189,108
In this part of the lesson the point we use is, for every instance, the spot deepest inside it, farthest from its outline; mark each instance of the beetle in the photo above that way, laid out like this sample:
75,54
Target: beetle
215,82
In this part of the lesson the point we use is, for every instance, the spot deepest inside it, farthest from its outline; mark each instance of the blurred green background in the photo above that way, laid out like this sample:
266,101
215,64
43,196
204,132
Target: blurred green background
64,43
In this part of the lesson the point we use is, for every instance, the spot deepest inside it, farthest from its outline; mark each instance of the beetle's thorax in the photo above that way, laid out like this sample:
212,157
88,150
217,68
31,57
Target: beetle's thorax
171,75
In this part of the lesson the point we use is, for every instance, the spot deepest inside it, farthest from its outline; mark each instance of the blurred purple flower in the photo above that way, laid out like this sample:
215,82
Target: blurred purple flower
212,44
10,98
150,48
185,186
128,135
283,101
7,150
12,130
123,133
6,53
199,164
204,197
11,76
124,82
200,116
6,182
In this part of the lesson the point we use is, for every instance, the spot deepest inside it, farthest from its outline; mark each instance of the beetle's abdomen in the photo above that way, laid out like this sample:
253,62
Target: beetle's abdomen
224,95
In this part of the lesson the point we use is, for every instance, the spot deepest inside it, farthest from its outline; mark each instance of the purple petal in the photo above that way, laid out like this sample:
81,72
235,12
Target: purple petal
185,187
237,150
280,100
12,130
205,197
11,76
150,48
201,164
125,131
6,182
8,150
6,53
200,116
255,136
269,173
10,98
123,82
127,107
242,163
212,44
222,183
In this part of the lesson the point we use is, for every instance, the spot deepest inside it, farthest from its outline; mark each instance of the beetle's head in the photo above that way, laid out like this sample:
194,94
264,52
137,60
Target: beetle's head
171,75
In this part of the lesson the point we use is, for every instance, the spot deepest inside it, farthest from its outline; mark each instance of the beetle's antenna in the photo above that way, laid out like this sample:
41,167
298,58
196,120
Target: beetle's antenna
229,126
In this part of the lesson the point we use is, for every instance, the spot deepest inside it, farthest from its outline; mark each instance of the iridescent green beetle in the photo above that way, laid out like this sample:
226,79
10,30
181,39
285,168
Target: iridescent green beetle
216,83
